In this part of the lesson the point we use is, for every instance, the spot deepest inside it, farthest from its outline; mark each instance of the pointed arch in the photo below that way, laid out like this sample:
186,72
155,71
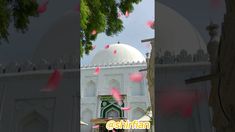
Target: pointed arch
33,122
113,113
111,107
90,90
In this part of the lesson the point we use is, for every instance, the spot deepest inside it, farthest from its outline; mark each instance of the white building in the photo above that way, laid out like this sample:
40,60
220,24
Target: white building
24,108
96,99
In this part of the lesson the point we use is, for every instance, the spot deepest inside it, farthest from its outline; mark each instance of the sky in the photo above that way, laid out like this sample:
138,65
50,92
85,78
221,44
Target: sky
135,30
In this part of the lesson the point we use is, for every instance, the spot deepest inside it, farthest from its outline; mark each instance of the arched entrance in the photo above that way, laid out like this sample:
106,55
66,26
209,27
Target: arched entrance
109,110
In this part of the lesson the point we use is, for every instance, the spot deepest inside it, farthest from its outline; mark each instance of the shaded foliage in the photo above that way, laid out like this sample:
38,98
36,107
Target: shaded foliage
101,16
17,12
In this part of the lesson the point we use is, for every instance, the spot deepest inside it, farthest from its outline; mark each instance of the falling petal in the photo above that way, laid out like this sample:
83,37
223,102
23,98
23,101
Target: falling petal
93,32
150,24
136,77
116,95
126,108
77,8
127,14
106,46
187,111
53,81
93,47
173,101
42,7
119,14
96,126
97,70
115,52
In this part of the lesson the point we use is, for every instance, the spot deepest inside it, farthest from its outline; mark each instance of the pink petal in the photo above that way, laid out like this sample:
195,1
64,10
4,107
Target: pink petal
115,52
179,101
136,77
116,95
150,24
106,46
97,70
119,14
96,126
127,14
126,108
93,47
93,32
42,7
53,81
77,8
187,111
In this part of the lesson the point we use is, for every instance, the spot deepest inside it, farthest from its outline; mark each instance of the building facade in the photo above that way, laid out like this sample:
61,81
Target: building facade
115,70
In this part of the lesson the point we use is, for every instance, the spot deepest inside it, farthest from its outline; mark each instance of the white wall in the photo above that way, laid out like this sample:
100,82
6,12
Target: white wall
103,81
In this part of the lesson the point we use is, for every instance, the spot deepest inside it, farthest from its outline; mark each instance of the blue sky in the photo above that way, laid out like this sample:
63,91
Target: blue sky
135,30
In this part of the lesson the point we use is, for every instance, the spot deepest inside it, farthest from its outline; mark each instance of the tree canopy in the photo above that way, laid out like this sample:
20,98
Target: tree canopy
17,12
98,16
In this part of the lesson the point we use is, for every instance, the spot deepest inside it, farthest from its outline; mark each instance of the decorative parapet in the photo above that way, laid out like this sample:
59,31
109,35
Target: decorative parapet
74,63
182,57
60,64
41,65
114,64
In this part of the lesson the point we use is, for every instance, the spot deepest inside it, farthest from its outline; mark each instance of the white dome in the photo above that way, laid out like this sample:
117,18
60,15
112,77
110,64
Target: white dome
175,33
125,54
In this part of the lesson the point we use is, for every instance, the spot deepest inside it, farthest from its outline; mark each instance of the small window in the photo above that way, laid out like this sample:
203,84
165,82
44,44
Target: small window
90,90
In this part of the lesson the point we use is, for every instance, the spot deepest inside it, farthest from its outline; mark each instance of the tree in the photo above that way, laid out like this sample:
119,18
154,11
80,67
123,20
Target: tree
98,16
18,12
